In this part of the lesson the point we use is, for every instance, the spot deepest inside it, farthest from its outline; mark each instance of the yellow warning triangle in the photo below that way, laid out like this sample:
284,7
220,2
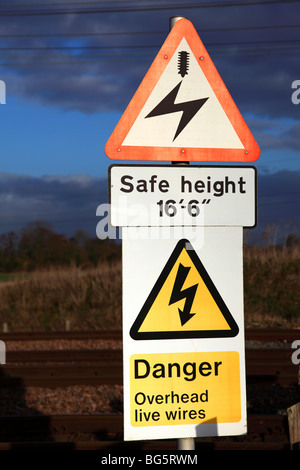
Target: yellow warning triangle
184,302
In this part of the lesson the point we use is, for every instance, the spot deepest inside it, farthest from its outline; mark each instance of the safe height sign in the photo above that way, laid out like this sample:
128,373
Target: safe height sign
165,195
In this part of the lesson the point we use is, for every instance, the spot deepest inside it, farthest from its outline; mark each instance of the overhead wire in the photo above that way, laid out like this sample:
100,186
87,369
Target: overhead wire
145,46
218,49
261,47
252,47
124,57
137,33
279,43
128,8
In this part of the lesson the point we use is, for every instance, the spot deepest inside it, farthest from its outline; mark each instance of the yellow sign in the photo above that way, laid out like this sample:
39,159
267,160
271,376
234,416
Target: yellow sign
184,302
185,388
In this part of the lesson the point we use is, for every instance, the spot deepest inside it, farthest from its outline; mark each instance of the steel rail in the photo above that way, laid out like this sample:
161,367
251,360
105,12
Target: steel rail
106,367
50,335
269,355
259,334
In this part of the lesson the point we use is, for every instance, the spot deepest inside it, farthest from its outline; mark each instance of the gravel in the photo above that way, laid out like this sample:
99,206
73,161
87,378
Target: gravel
77,399
61,344
84,399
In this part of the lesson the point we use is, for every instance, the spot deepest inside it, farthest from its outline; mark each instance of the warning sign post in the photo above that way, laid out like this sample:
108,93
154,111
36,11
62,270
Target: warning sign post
182,246
183,322
183,334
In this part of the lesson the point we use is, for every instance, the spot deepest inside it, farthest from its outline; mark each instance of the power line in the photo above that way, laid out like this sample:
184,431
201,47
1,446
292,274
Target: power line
276,203
112,33
126,56
146,46
137,33
123,57
129,9
45,4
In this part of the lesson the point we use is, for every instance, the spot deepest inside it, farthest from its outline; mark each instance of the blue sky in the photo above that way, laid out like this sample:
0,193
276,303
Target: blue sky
41,140
70,70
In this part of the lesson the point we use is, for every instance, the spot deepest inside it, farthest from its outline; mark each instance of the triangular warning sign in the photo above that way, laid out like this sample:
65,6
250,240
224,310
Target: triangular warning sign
184,302
182,110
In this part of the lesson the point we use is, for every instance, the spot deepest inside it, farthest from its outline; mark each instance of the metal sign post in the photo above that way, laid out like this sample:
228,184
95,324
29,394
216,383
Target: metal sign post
183,325
182,258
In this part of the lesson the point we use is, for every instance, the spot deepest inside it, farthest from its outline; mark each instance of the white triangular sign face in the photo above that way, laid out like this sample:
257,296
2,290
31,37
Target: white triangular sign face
182,110
209,127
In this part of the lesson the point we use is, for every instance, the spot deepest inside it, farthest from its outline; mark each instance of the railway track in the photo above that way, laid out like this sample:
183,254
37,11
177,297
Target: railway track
64,367
52,368
104,432
275,355
96,367
259,334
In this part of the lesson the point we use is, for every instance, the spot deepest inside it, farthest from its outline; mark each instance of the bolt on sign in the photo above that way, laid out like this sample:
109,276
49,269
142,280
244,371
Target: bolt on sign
182,110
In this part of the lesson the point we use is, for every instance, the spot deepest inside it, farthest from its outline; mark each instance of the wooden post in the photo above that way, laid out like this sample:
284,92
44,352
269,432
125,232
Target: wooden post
294,426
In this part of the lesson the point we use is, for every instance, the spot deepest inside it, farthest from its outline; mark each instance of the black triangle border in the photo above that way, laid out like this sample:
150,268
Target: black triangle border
134,331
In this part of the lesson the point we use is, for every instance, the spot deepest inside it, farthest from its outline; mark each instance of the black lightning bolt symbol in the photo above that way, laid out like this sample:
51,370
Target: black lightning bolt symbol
188,108
179,294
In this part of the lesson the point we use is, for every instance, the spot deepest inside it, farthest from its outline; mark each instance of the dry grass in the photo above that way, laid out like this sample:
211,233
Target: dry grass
272,286
91,299
88,299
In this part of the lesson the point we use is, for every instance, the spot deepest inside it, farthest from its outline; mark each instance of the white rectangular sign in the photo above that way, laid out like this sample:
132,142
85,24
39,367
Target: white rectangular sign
179,195
183,334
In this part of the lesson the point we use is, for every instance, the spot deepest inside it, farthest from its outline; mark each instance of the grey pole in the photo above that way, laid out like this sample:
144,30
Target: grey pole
186,443
173,20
